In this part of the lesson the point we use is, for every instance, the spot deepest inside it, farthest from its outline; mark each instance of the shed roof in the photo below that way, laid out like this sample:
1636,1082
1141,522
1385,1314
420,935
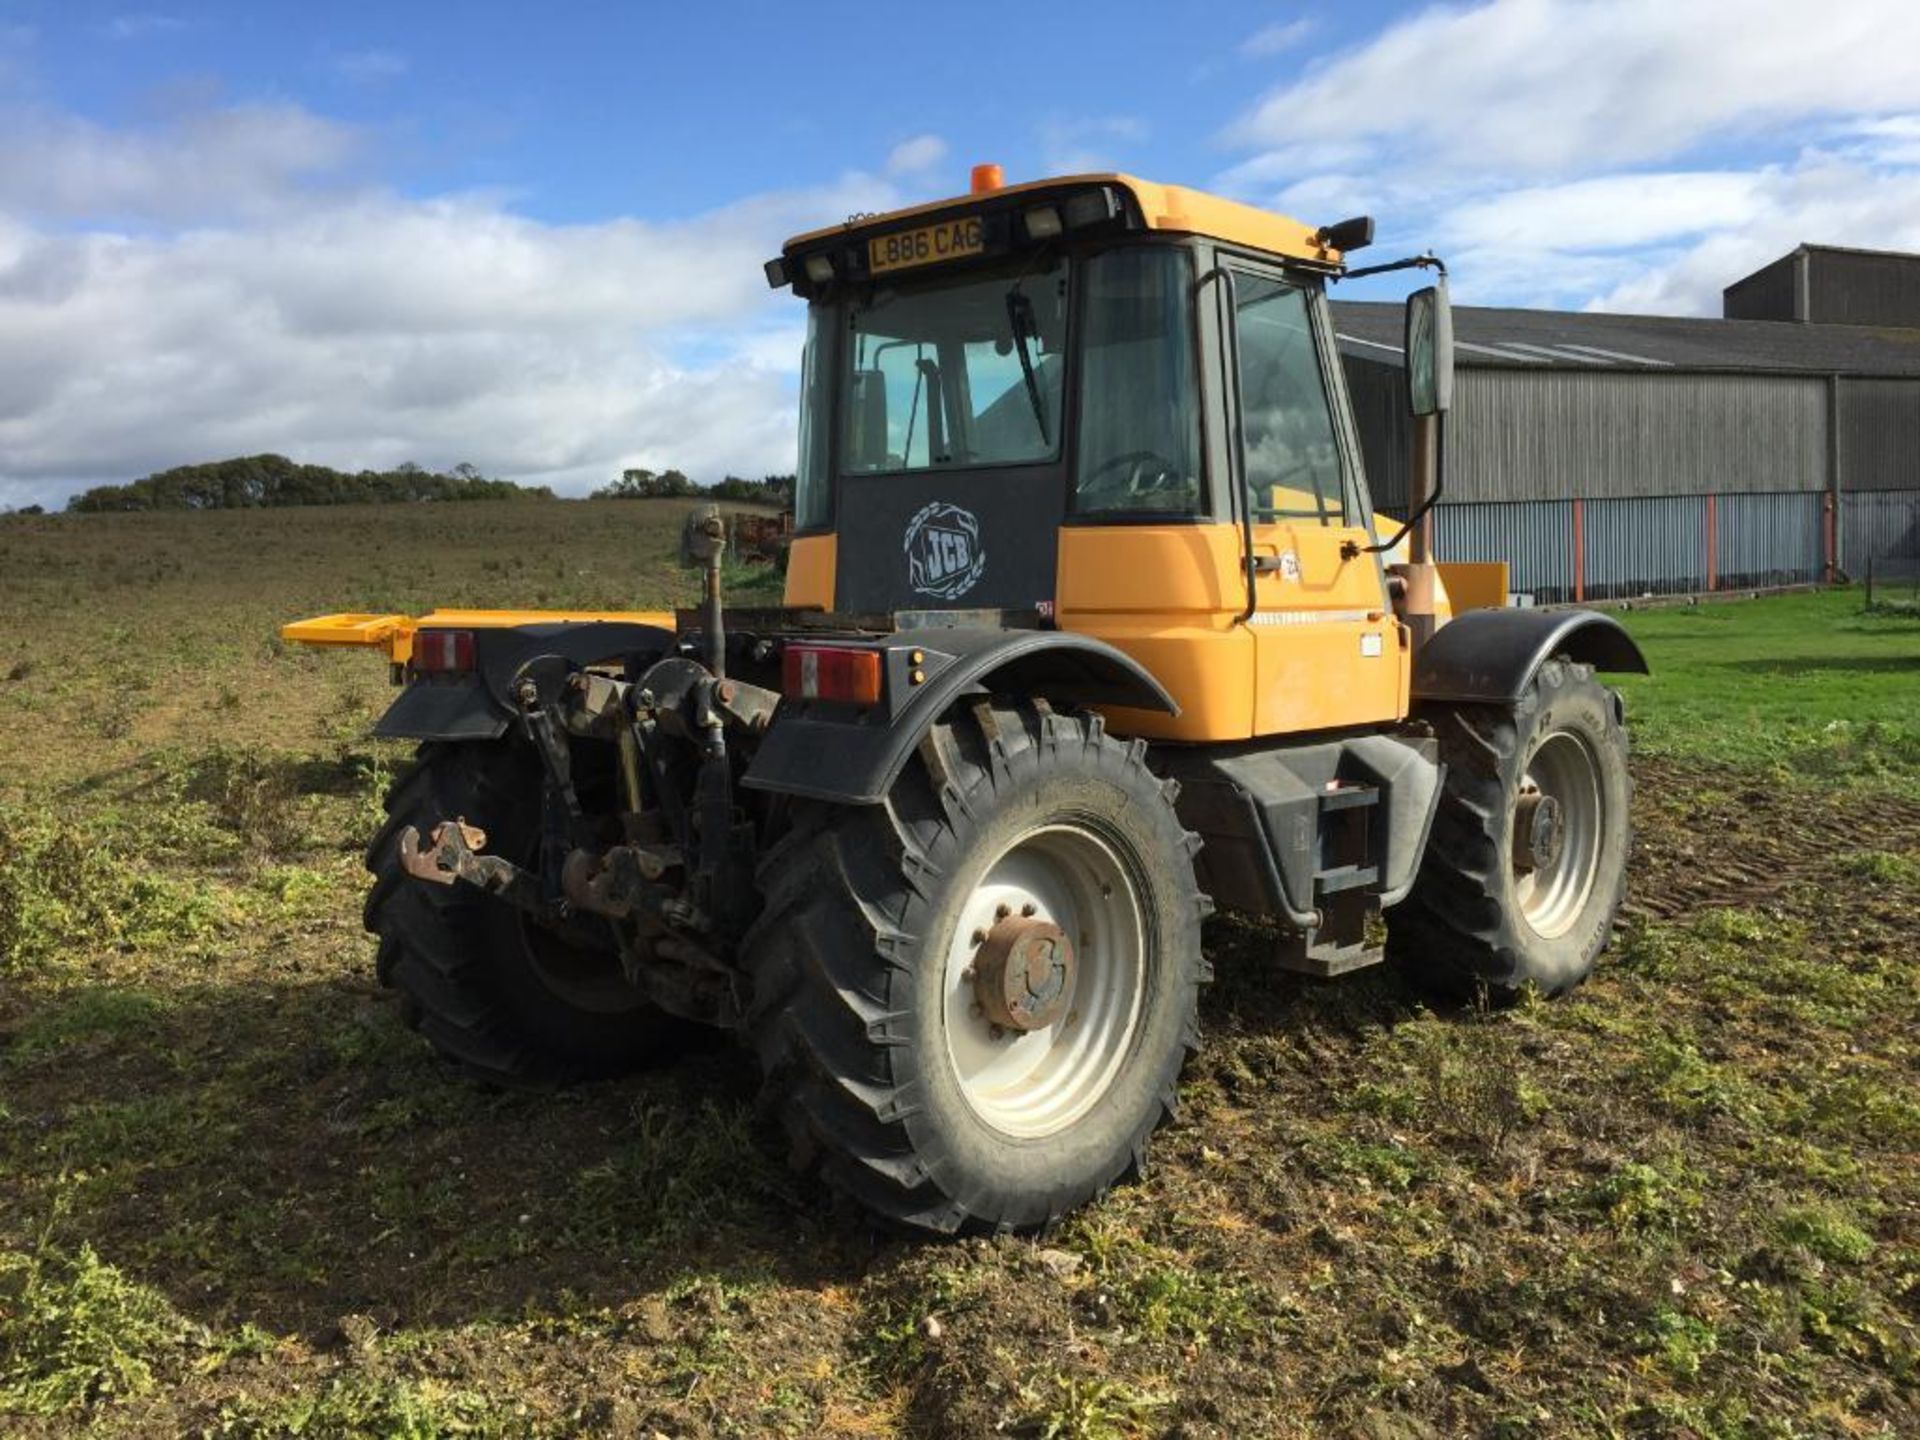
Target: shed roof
1565,340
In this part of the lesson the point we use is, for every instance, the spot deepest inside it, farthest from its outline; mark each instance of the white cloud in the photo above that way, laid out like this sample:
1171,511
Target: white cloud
1277,39
206,165
1551,87
1088,143
1638,154
346,324
1611,211
916,156
1822,199
369,67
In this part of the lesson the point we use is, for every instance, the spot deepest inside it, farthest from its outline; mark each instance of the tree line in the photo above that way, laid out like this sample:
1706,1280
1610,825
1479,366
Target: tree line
266,481
673,485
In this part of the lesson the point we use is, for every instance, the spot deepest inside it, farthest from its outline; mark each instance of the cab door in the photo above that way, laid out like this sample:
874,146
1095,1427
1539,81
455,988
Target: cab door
1328,651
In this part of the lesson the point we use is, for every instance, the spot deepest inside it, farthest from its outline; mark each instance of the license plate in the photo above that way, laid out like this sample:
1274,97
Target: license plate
930,244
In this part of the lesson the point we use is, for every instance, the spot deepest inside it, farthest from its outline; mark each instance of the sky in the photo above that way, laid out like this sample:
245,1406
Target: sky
530,238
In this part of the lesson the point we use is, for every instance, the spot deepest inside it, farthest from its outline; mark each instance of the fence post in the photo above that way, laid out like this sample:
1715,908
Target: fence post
1579,550
1713,541
1834,557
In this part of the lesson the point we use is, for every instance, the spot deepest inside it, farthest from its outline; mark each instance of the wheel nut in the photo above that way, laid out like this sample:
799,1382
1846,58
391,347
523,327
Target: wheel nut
978,938
1029,908
996,1032
1000,912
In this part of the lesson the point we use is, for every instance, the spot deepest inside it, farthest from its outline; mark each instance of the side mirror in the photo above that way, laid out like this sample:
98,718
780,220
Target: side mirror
867,420
1429,351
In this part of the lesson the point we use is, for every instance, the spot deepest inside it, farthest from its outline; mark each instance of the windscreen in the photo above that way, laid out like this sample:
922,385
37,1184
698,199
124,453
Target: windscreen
967,372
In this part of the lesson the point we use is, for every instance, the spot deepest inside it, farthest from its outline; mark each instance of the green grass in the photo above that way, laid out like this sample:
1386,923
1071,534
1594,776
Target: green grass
1808,685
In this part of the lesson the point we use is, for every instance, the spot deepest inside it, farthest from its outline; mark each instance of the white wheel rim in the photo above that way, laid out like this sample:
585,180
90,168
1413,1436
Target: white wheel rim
1039,1082
1552,897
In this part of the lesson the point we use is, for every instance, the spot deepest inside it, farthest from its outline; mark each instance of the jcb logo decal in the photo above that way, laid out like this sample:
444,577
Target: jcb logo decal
944,558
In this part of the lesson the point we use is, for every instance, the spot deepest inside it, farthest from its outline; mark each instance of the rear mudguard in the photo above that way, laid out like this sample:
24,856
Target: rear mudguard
1491,656
480,706
843,753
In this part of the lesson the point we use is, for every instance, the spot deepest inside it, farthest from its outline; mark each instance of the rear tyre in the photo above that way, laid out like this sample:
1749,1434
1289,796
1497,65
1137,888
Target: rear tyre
1527,863
971,1002
509,1002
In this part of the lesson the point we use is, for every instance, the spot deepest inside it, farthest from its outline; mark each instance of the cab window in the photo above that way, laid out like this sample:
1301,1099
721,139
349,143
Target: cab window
1138,446
965,373
1292,455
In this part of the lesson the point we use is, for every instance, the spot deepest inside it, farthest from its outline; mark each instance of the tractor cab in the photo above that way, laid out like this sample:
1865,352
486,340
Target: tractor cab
1107,406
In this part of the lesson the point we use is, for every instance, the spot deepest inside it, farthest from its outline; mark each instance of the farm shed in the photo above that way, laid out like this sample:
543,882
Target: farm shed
1610,455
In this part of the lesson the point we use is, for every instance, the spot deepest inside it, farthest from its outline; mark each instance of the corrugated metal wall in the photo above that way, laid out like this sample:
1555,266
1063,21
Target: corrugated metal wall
1851,287
1763,540
1535,435
1641,452
1534,537
1879,434
1770,293
1653,545
1550,434
1878,523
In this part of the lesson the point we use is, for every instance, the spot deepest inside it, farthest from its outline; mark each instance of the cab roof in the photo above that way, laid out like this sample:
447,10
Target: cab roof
1169,208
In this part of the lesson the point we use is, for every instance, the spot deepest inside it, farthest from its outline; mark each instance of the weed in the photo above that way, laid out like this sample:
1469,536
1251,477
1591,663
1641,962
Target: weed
1824,1230
366,1407
1682,1341
75,1331
683,1170
1690,1086
1640,1198
1882,867
1073,1407
254,798
95,1013
1155,1289
1469,1080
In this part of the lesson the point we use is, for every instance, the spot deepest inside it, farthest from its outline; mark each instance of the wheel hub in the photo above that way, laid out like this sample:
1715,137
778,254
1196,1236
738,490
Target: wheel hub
1539,832
1023,973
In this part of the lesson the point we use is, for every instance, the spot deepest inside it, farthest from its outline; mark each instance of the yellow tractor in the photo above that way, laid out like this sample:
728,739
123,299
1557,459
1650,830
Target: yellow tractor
1089,626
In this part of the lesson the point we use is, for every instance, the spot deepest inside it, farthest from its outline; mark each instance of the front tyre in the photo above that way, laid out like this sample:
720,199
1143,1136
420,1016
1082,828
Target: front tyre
1527,863
972,1001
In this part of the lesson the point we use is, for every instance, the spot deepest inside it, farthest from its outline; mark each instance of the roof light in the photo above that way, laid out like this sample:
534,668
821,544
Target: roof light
442,652
831,672
986,179
778,277
820,268
1043,222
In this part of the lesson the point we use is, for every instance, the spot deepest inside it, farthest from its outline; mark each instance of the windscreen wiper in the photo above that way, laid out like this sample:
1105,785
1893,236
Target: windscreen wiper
1020,317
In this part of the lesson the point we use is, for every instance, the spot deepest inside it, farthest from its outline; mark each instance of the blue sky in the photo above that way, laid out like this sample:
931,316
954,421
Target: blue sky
529,237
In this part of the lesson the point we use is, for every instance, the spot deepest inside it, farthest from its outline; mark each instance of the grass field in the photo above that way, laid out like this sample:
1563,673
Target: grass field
239,1198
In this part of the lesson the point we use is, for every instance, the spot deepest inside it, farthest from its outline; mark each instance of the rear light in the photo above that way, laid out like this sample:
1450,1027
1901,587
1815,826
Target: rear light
832,672
437,652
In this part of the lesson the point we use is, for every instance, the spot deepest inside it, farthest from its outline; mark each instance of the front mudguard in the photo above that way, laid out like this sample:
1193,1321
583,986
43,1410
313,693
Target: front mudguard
1491,656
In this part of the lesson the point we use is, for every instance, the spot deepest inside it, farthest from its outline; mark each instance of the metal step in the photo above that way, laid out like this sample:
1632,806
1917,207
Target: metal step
1327,960
1348,797
1344,877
